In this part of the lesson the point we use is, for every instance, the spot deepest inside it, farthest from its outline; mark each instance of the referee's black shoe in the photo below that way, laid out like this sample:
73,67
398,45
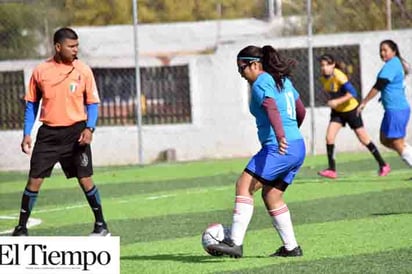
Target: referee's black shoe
283,252
20,231
100,229
228,247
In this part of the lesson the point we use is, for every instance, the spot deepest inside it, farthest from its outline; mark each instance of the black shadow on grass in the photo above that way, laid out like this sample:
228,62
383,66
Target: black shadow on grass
179,257
390,261
182,257
365,205
392,213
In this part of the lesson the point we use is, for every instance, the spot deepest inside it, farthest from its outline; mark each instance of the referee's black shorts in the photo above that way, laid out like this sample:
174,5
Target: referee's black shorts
60,144
350,117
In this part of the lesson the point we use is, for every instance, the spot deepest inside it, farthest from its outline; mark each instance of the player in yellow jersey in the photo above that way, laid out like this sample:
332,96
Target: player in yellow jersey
343,103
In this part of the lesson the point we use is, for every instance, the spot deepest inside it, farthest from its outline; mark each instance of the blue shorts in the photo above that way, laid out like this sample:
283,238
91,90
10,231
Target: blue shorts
394,123
268,166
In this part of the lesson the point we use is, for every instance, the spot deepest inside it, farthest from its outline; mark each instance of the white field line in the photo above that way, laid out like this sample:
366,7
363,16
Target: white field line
31,223
34,222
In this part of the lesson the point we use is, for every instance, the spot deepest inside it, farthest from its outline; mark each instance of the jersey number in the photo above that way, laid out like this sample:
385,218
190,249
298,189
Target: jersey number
290,105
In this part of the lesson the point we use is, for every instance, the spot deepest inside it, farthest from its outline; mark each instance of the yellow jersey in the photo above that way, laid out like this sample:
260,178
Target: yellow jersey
334,86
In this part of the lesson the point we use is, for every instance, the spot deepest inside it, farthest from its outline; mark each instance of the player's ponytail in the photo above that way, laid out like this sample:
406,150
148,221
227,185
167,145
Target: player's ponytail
277,66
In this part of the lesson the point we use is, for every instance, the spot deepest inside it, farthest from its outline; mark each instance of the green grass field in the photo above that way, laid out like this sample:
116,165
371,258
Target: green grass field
359,223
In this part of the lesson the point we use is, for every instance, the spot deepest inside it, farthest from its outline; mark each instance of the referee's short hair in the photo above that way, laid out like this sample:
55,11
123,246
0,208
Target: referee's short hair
64,33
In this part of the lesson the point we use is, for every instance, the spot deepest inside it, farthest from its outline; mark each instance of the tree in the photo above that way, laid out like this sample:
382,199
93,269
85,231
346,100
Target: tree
352,15
108,12
99,12
25,28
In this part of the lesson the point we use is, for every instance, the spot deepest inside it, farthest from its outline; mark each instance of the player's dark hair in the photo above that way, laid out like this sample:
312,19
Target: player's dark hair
393,46
64,33
273,63
330,59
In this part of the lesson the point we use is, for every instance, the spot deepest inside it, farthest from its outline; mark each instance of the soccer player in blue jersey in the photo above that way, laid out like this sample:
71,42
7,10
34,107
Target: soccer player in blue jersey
343,103
279,112
390,82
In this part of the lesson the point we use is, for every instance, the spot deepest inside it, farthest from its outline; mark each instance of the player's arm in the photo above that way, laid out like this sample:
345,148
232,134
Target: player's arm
92,108
30,113
275,120
349,92
380,84
92,114
300,111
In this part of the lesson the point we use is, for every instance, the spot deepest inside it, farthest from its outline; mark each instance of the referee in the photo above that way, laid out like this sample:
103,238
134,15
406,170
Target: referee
66,92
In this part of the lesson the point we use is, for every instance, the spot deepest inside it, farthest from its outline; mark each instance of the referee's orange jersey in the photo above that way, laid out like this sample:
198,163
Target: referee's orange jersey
64,90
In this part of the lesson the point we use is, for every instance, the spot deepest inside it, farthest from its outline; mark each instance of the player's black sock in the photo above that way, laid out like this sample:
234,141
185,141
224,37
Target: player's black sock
375,152
331,156
93,198
27,203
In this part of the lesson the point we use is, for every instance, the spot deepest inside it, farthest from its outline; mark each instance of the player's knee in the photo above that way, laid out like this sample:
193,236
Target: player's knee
386,143
86,183
330,140
365,141
34,184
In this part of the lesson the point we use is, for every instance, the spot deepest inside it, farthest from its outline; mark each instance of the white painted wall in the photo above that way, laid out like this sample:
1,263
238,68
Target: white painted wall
222,126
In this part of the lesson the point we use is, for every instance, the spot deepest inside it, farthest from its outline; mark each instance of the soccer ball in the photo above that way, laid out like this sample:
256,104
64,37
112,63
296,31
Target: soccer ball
212,235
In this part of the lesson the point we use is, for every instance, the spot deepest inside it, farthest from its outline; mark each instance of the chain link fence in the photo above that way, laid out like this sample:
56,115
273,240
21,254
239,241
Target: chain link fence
347,57
26,28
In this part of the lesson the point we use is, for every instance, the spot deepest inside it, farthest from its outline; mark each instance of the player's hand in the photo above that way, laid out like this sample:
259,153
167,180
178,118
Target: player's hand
26,144
332,104
283,146
360,108
85,137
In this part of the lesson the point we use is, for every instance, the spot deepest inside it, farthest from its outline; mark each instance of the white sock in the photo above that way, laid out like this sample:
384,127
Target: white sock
242,214
283,224
407,154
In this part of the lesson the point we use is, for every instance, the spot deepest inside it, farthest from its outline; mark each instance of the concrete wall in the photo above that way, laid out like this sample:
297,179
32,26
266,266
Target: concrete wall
222,126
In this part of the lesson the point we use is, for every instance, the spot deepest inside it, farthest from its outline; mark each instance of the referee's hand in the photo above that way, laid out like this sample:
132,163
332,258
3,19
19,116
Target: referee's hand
85,137
26,144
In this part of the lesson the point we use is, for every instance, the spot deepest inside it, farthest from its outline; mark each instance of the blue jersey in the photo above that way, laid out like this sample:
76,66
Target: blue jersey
393,95
265,86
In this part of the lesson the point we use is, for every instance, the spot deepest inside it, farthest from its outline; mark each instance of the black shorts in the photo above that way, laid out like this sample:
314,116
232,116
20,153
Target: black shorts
351,117
60,144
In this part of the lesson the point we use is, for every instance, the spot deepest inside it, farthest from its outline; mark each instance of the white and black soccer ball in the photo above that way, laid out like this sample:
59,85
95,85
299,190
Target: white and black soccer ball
214,234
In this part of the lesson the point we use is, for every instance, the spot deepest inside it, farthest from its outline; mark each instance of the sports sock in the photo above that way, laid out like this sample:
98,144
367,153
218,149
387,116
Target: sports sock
375,152
330,149
28,201
283,224
93,197
407,154
242,214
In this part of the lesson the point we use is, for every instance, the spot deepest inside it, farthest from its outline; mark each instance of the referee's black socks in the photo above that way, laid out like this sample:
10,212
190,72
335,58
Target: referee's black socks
93,197
27,203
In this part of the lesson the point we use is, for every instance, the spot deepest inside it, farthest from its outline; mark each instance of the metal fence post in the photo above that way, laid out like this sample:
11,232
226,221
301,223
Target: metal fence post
138,91
310,71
